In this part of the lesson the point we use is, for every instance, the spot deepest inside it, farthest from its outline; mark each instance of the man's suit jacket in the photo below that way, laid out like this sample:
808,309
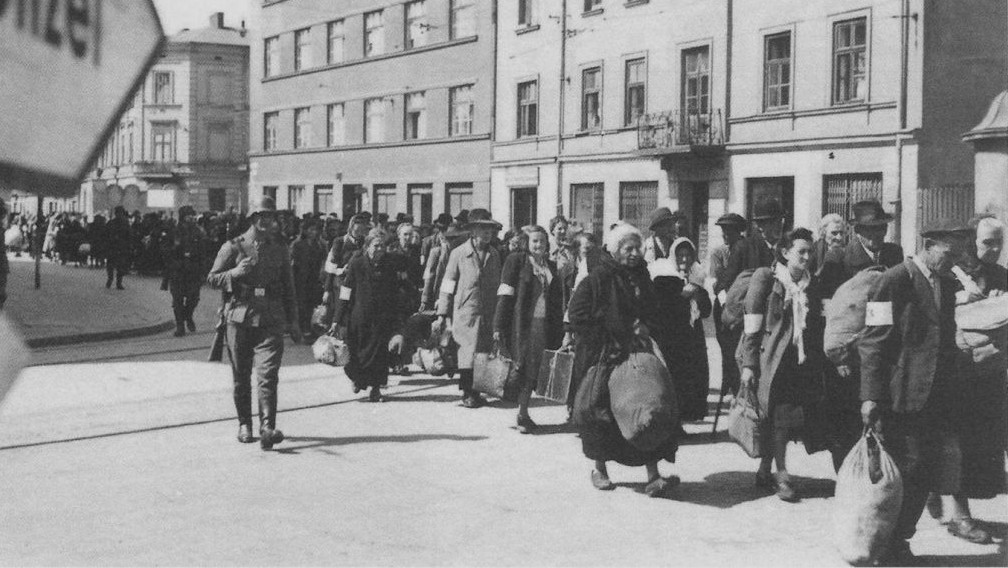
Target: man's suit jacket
842,264
908,349
750,252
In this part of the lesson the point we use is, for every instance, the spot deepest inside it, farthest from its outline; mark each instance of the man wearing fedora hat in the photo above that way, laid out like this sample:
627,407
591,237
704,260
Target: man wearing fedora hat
757,249
430,241
254,270
468,295
437,262
909,376
666,227
732,226
867,248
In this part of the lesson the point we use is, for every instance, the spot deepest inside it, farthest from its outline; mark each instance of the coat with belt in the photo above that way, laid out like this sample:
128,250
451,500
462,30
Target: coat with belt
839,265
516,299
468,295
769,328
908,348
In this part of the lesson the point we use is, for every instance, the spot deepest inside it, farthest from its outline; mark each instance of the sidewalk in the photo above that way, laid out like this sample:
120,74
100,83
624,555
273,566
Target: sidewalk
64,310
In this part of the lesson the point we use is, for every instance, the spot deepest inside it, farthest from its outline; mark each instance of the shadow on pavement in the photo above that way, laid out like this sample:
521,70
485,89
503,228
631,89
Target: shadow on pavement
727,489
313,442
439,381
424,398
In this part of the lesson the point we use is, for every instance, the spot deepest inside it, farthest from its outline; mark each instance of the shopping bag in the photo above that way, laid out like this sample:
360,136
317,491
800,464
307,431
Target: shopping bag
554,379
643,401
867,501
745,422
492,372
331,351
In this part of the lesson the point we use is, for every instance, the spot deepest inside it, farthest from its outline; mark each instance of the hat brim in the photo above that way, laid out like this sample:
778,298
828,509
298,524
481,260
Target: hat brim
484,223
768,217
884,220
730,222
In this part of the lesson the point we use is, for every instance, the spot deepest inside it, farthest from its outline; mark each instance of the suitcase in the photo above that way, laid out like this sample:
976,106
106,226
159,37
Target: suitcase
554,379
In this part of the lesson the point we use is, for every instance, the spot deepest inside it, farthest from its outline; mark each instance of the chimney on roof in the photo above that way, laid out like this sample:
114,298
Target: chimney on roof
217,20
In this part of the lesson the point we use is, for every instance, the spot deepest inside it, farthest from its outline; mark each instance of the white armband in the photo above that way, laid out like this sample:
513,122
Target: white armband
878,313
331,268
344,293
752,323
448,286
505,290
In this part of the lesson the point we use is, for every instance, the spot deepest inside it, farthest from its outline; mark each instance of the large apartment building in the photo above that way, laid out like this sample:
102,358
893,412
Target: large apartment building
184,138
709,107
373,105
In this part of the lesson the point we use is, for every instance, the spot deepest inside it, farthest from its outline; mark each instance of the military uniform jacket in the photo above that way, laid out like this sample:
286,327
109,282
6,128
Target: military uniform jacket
842,264
263,298
469,297
908,349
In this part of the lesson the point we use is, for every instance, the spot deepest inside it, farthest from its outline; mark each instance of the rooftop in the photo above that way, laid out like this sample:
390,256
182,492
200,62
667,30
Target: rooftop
216,33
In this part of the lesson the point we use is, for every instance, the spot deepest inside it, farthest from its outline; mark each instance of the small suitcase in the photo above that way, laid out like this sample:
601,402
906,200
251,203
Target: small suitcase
554,379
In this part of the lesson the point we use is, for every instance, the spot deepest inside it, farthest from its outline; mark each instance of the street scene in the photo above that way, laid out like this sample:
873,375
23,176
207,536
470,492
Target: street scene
504,283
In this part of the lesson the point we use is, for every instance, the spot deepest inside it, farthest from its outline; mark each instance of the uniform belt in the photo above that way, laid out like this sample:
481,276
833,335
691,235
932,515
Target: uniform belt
248,292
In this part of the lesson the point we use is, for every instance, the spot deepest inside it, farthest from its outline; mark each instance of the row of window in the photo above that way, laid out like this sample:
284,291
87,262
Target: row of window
163,144
637,200
462,23
461,106
384,198
528,9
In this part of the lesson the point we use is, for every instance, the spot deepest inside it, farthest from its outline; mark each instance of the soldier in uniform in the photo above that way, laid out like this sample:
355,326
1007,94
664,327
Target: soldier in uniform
909,379
254,270
184,255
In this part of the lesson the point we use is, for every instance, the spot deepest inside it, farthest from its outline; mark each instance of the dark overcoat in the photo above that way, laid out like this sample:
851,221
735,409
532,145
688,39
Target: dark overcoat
683,343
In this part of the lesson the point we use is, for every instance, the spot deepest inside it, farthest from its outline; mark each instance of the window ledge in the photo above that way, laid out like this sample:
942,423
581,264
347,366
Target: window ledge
373,145
163,105
526,29
795,114
635,3
590,13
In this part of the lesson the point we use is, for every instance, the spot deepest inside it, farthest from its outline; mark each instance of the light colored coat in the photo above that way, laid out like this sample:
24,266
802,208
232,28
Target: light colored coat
468,295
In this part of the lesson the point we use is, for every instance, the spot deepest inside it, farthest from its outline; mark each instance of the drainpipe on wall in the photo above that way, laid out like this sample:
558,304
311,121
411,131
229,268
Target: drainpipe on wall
728,71
902,104
560,107
493,100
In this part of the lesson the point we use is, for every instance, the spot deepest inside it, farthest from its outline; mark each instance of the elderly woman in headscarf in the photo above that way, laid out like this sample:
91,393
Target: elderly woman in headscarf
611,314
370,306
529,314
781,354
681,303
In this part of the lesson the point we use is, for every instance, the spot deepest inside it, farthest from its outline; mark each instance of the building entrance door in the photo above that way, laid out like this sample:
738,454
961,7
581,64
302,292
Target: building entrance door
523,206
353,199
696,209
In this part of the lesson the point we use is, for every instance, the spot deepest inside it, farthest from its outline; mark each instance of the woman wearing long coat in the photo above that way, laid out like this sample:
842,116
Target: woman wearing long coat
529,314
784,359
610,314
370,306
681,306
468,295
308,254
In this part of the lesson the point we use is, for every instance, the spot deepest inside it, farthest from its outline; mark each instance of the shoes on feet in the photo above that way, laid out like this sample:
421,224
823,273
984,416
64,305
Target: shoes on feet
376,396
765,480
190,325
899,555
245,434
969,530
657,487
601,481
268,437
785,488
179,331
471,401
526,425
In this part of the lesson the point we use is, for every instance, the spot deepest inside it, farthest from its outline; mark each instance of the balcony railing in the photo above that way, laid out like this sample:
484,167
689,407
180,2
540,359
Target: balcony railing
679,129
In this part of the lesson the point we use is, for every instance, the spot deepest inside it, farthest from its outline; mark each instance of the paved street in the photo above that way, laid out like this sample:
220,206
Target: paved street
124,453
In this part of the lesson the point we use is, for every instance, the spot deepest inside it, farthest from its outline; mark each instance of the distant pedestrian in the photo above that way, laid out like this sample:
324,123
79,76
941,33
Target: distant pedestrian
732,227
437,263
469,297
832,236
254,270
666,226
184,253
308,255
120,246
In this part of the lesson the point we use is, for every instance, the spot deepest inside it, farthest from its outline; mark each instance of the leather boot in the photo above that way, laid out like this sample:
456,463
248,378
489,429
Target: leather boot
245,434
268,434
179,322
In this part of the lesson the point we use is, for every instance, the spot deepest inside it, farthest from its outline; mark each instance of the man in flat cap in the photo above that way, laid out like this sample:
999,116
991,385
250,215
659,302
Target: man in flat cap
908,373
254,269
732,226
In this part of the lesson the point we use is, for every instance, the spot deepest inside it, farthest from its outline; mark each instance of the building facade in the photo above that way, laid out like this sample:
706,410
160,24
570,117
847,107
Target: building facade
710,107
373,105
184,138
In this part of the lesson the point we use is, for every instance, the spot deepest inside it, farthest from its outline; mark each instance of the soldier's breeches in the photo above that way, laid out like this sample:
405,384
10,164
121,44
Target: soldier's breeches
256,351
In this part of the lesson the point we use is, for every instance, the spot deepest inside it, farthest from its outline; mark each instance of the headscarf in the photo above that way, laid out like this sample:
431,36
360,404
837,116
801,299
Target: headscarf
795,292
669,267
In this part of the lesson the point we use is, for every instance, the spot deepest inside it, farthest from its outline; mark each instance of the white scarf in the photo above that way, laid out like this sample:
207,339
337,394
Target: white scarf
794,292
541,271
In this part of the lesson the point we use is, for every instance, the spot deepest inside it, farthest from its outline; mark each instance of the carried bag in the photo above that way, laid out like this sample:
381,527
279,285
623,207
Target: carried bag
320,317
982,333
492,373
432,361
845,315
643,401
331,351
591,402
745,422
733,313
554,379
867,502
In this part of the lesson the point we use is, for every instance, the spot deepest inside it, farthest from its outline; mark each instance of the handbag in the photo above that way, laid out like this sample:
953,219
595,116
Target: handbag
492,372
745,423
554,379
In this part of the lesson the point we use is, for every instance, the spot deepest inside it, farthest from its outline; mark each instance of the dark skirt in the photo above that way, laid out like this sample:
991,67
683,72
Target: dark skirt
982,435
792,408
529,353
685,354
369,356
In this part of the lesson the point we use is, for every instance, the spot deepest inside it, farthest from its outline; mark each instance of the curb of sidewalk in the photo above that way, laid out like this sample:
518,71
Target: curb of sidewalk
41,342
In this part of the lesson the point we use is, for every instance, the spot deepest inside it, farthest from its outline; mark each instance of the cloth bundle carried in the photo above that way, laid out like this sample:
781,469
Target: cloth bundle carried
321,317
845,315
331,351
982,332
643,401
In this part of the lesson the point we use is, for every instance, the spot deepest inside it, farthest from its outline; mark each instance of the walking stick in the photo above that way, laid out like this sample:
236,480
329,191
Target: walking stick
717,410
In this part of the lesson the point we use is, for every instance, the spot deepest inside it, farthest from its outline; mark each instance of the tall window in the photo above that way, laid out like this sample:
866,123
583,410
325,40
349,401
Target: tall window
374,120
463,19
163,141
421,202
696,80
374,34
385,198
461,106
218,88
635,97
850,59
217,198
302,49
587,205
302,127
416,24
295,195
271,56
526,16
528,108
590,5
415,124
270,191
460,196
335,125
219,142
271,123
591,99
325,201
637,200
777,71
164,92
334,45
